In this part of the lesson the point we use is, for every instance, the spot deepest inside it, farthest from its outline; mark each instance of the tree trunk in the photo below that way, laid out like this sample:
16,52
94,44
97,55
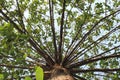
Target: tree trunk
60,73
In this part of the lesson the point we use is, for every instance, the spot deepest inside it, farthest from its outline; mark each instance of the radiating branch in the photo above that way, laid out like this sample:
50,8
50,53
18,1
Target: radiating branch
5,56
72,44
87,61
61,32
21,15
8,12
93,44
23,26
79,30
31,40
86,35
42,53
11,21
78,77
43,48
11,66
102,75
36,63
94,70
52,26
101,54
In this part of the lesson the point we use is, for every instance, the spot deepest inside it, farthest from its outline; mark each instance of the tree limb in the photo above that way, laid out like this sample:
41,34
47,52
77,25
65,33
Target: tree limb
87,61
52,26
11,66
31,40
93,44
79,30
61,32
78,77
21,15
86,35
93,70
10,20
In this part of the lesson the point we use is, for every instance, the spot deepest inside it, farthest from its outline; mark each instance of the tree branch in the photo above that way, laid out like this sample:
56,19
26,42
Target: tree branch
105,52
43,66
42,53
23,26
3,55
93,70
31,40
72,44
53,27
93,44
79,30
11,66
87,61
61,33
43,48
81,78
10,20
108,76
86,35
20,14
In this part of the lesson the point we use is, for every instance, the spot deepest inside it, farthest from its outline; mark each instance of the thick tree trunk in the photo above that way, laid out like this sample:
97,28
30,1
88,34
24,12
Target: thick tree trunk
62,77
60,73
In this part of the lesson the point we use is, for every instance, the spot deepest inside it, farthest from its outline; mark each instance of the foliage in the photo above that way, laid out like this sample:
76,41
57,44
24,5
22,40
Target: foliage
81,36
27,78
39,73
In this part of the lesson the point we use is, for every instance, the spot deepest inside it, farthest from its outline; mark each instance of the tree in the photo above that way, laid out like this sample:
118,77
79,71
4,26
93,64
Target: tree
77,36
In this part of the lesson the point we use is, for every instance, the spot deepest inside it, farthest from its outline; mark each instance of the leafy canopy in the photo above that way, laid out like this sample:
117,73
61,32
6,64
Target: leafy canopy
81,36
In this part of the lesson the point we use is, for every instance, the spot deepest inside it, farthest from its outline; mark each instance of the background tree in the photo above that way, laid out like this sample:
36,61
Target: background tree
79,36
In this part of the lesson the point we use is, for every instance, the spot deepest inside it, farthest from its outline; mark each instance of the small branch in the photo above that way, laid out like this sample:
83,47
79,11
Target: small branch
10,20
61,33
108,76
87,61
42,53
79,30
64,30
12,15
72,44
98,40
20,14
43,48
32,76
105,52
101,54
75,38
3,55
94,70
78,77
93,44
86,35
21,17
11,66
31,40
34,62
53,27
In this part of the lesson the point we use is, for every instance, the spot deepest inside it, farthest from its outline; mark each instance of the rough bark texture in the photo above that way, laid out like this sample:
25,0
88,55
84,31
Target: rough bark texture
60,73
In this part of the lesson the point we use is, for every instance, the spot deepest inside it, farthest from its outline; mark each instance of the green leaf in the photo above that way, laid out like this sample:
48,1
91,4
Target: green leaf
1,77
27,78
39,73
25,55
